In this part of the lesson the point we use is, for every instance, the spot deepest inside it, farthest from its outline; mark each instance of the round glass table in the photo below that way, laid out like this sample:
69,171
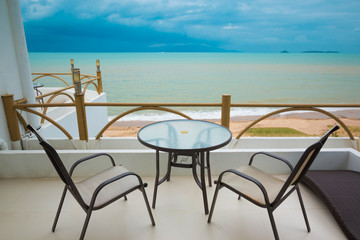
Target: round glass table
184,137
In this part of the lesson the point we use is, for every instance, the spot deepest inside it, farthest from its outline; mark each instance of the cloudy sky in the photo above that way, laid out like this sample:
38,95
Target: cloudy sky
191,25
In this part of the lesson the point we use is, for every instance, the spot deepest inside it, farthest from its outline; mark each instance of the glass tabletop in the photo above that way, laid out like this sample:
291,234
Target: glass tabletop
184,136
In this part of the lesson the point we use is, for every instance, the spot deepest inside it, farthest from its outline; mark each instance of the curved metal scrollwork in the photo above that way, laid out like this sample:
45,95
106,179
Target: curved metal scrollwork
298,109
48,119
51,75
136,110
51,98
96,87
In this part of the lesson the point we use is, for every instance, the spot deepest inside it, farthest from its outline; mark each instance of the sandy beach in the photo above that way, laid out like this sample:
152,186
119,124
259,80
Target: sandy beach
311,123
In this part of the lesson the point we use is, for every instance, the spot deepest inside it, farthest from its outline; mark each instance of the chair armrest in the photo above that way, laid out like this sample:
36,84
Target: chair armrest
88,158
114,179
247,177
272,156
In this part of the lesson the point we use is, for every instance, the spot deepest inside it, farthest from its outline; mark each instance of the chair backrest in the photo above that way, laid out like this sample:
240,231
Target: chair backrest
57,163
305,161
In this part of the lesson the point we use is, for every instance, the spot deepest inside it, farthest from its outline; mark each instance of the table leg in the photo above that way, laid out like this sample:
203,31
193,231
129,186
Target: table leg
203,184
156,178
194,165
169,166
208,167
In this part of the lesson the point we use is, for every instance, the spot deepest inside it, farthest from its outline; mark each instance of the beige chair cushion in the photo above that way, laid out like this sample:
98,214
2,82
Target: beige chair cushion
272,184
87,187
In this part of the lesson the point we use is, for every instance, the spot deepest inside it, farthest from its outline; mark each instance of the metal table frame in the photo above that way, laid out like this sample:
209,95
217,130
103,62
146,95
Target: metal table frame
197,155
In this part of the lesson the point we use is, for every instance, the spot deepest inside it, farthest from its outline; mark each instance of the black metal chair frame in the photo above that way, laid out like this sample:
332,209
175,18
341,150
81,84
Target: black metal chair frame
71,187
296,175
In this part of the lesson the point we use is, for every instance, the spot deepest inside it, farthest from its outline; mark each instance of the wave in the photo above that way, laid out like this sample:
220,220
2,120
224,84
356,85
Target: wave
206,114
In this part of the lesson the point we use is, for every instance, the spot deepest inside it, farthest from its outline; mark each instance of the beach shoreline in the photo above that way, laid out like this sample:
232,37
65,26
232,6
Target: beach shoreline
311,123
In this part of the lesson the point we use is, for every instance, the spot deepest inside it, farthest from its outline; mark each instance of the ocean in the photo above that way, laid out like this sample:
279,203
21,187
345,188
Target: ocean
317,78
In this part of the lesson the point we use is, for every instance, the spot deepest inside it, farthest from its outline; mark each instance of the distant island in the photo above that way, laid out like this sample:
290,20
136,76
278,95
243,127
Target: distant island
320,52
285,51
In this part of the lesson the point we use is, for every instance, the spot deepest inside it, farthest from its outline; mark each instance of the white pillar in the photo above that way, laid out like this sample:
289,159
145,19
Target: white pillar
22,57
15,76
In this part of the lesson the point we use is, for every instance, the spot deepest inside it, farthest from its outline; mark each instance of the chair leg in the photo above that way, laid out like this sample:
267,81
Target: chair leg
214,201
86,223
272,220
59,209
142,189
303,208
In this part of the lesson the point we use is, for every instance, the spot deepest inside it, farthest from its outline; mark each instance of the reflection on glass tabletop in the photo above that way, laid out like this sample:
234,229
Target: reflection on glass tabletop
184,135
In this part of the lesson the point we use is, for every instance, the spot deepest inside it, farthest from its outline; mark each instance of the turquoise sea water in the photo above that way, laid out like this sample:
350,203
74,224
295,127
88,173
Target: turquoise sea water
204,77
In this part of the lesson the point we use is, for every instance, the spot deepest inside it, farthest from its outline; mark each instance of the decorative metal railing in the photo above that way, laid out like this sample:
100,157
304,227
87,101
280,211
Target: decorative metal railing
13,107
84,79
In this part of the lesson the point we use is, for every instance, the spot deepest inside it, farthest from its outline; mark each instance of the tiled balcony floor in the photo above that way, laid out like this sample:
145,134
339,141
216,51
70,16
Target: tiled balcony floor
28,206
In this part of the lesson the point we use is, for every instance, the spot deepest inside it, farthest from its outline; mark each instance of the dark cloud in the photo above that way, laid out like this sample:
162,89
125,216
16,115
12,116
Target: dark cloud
63,33
196,25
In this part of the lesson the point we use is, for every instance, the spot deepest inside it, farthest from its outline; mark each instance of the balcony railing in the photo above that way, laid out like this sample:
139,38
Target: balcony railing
12,107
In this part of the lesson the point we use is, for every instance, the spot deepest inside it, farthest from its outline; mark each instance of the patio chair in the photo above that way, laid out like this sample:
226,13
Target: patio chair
96,191
265,190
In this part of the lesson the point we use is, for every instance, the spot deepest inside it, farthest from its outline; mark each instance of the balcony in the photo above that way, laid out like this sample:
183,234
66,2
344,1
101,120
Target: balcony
28,207
30,193
30,189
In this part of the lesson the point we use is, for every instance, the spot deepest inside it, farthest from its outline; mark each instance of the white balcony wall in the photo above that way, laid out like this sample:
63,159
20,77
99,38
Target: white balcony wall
137,158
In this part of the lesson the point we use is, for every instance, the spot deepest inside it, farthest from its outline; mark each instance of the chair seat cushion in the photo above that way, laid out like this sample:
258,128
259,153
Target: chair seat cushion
271,184
87,187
